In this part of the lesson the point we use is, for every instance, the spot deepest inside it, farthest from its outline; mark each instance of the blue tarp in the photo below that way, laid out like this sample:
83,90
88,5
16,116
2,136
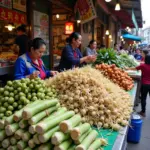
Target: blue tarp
131,37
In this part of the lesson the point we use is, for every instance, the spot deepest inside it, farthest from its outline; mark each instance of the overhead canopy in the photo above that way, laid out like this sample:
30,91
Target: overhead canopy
131,37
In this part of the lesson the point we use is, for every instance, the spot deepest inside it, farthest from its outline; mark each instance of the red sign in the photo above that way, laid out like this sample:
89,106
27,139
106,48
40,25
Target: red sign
69,27
12,16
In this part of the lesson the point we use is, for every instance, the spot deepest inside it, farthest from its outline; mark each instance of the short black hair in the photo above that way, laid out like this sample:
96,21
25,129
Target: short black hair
91,42
147,59
36,43
21,28
74,35
145,52
115,44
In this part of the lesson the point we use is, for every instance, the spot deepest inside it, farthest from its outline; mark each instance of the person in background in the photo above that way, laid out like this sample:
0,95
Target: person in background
122,51
71,55
145,82
91,49
21,41
116,47
138,55
102,46
144,53
30,64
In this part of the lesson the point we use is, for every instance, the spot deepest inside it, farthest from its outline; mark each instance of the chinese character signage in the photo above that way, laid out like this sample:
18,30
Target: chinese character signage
19,5
85,10
69,27
6,3
12,16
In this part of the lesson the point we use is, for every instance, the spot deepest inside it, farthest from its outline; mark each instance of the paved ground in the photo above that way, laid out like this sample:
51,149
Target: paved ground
145,138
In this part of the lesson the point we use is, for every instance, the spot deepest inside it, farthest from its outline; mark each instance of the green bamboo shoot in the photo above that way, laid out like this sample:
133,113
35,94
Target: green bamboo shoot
38,117
26,136
36,139
47,146
9,120
32,129
72,147
2,135
44,126
79,131
46,136
95,145
18,134
31,111
82,137
13,141
31,143
64,146
59,137
67,125
12,148
11,129
22,145
18,115
87,141
6,143
23,124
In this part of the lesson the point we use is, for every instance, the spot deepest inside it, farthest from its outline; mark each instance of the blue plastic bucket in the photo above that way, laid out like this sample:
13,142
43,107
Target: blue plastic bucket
134,132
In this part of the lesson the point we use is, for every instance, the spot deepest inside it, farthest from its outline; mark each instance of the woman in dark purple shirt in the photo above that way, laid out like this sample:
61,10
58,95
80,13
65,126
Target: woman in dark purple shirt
71,55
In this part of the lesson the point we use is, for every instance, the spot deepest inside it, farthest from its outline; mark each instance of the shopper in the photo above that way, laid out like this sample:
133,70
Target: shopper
145,82
138,55
30,65
21,42
71,55
91,49
116,47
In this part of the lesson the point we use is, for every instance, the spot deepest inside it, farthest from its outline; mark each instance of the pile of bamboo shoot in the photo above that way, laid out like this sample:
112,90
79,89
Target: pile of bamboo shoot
44,125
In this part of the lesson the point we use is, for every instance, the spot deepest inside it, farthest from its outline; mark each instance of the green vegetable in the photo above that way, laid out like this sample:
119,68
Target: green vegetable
31,143
47,125
28,148
9,120
22,145
36,139
13,141
64,146
59,137
95,145
38,117
26,136
30,112
32,129
2,124
46,136
79,131
87,141
6,143
67,125
23,124
11,129
12,148
18,134
47,146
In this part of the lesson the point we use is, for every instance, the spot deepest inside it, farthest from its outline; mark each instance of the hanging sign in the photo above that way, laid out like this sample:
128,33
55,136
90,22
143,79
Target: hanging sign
85,10
12,16
6,3
69,27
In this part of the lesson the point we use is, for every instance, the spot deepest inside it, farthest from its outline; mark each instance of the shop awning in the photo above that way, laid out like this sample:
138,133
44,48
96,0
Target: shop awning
131,37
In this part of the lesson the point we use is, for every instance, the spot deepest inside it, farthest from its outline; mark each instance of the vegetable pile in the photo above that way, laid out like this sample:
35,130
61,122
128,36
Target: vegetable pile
117,75
44,125
99,101
109,56
127,61
19,93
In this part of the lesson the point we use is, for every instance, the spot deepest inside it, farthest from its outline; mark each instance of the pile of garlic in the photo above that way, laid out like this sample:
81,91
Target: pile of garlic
99,101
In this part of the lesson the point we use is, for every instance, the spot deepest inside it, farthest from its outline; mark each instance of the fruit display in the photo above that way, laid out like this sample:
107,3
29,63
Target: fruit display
44,125
117,75
19,93
98,100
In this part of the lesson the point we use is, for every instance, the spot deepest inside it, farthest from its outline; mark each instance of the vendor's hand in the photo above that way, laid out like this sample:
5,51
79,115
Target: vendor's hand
53,73
34,75
90,58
